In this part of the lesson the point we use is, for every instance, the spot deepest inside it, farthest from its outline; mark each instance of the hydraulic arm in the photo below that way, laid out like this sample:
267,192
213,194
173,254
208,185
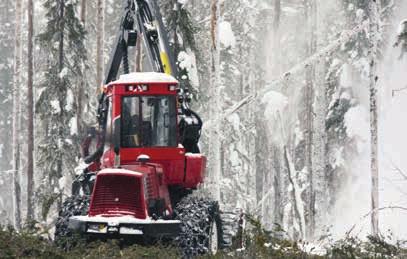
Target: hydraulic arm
141,18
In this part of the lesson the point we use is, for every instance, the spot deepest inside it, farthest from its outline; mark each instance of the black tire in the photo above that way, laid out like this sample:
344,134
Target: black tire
200,223
72,206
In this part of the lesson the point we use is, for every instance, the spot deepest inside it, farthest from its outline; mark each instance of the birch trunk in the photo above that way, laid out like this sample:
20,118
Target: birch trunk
30,110
16,104
100,34
374,30
215,133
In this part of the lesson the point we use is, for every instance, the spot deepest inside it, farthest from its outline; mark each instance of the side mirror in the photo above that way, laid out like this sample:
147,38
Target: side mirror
116,139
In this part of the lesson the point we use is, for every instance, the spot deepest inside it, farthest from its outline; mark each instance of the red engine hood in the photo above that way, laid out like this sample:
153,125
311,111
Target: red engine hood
120,191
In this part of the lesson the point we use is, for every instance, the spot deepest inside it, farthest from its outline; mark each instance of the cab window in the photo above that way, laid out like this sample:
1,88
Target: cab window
148,121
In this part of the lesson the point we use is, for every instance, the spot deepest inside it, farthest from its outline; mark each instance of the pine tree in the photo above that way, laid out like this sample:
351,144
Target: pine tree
63,43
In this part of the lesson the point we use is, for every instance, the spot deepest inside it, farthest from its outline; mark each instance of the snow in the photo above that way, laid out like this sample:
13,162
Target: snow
109,10
345,95
402,27
63,73
73,127
290,10
145,77
81,167
358,125
226,35
69,100
118,171
62,182
360,13
234,159
336,158
275,102
193,155
392,136
55,106
312,248
114,221
299,135
345,79
234,120
187,60
143,157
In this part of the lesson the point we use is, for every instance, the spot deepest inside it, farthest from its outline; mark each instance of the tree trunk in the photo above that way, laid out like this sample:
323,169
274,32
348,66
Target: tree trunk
215,133
30,110
61,38
139,53
310,16
16,103
100,41
61,66
374,30
83,12
79,88
276,38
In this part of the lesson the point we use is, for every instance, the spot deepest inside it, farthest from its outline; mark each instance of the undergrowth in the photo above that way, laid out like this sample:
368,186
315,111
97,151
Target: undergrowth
255,242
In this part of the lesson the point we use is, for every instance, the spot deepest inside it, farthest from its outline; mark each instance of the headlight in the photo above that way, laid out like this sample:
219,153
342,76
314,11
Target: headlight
97,228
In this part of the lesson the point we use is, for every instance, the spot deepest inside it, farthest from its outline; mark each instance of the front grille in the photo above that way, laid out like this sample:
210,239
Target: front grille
151,191
117,195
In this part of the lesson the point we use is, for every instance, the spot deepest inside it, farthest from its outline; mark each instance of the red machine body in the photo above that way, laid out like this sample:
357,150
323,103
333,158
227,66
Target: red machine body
147,158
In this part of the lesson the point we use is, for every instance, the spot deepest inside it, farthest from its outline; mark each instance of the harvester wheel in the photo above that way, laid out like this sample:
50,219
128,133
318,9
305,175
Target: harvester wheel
201,230
72,206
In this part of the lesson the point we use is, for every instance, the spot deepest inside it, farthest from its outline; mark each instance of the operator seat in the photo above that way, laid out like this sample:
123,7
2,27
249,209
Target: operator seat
147,133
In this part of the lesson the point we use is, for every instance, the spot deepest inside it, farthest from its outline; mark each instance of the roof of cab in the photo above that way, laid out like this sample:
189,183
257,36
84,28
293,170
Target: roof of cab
145,77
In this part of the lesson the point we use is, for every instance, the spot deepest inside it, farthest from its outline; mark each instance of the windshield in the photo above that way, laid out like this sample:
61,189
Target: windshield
148,121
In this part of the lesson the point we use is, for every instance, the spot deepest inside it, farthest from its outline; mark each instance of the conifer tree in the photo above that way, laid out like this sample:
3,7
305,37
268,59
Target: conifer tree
63,42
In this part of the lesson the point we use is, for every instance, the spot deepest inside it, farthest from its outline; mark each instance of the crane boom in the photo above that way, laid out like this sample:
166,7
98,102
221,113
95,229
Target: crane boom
142,18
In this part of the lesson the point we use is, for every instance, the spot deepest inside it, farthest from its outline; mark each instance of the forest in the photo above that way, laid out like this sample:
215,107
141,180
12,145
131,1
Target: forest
302,103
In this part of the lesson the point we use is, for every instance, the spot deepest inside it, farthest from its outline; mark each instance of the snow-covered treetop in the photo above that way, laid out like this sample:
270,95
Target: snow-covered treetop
145,77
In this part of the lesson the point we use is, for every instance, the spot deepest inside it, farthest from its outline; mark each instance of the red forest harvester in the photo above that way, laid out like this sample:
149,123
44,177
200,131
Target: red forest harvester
147,160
